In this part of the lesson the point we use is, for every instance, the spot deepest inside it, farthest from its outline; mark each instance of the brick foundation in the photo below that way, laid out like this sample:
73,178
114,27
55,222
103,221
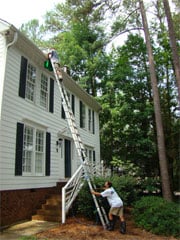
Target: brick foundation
19,205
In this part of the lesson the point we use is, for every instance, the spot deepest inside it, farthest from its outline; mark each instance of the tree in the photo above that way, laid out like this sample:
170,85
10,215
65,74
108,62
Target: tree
173,45
34,31
127,111
159,126
80,41
167,89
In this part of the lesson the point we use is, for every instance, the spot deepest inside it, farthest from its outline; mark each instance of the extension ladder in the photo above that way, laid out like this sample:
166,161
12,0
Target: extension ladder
53,57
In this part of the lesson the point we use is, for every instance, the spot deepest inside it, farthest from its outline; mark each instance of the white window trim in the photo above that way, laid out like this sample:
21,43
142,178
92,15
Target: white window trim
37,87
47,99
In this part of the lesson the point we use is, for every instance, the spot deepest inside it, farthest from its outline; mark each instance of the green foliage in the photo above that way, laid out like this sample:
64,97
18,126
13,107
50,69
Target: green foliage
34,31
127,110
157,215
126,167
144,185
149,186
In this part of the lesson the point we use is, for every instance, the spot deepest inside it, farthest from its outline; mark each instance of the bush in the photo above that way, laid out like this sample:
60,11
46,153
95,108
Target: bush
157,215
149,186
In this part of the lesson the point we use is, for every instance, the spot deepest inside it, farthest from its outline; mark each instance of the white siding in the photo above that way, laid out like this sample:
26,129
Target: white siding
16,109
2,67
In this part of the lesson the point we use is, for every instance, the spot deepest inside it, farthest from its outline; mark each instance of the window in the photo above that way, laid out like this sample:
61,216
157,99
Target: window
82,115
91,126
33,151
44,91
90,154
31,83
40,92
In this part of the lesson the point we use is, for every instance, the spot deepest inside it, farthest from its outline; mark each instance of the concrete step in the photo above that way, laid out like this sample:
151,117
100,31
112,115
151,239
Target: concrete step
51,207
50,210
52,201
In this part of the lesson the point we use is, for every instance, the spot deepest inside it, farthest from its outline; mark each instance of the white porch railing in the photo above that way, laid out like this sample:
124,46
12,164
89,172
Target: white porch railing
71,190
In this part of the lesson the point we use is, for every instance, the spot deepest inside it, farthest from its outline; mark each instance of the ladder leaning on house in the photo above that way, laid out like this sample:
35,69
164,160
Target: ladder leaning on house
76,181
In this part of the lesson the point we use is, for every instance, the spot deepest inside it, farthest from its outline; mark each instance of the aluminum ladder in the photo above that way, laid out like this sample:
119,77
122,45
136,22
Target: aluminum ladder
53,57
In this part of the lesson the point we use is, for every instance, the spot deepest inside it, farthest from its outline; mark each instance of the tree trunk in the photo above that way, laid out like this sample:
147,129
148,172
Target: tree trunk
166,189
173,45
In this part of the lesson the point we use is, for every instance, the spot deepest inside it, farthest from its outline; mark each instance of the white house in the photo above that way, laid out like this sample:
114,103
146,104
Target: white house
36,147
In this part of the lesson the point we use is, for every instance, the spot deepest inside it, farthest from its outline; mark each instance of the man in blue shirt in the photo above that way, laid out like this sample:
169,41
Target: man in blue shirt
116,206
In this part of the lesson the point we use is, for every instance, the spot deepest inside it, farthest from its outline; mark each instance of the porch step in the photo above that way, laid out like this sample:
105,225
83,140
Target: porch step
51,210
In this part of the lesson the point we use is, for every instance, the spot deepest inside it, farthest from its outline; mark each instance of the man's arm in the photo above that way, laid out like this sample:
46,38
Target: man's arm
96,193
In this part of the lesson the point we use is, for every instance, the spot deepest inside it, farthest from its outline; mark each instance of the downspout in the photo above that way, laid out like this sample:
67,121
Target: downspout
14,41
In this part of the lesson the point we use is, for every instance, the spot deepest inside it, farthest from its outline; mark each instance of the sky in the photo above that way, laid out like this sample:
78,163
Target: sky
17,12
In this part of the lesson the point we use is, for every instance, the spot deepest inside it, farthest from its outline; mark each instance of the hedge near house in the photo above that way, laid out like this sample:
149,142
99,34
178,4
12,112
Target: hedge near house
157,216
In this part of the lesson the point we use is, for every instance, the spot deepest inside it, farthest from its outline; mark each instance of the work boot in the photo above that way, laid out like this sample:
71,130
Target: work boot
123,227
110,227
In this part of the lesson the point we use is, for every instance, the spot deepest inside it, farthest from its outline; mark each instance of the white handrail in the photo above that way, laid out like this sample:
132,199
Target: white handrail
71,190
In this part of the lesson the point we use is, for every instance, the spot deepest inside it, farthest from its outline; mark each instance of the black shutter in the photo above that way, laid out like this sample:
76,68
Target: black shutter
48,153
19,149
62,112
51,96
73,103
81,118
94,156
22,80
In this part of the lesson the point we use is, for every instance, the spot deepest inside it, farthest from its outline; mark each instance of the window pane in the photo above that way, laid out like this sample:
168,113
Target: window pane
28,150
39,141
39,163
39,156
44,91
30,83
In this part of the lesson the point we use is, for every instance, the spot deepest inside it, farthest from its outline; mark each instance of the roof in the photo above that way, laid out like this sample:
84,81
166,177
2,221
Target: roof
25,45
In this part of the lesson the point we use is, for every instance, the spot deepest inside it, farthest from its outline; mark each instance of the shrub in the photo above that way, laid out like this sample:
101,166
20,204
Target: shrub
157,215
149,186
